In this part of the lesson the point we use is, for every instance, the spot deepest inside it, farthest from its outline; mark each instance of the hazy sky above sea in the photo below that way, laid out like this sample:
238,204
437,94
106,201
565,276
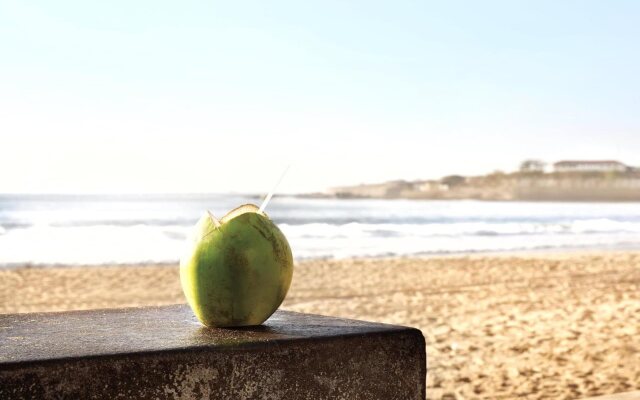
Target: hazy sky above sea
215,96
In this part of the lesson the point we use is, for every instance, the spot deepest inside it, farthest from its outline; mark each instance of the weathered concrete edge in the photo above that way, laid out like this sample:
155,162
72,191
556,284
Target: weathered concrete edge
423,358
368,324
368,328
409,340
236,348
381,325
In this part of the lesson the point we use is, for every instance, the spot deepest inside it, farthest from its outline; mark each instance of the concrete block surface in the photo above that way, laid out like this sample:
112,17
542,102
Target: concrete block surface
164,353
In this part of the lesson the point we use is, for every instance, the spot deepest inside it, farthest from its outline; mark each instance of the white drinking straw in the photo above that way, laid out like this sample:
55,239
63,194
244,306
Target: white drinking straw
270,195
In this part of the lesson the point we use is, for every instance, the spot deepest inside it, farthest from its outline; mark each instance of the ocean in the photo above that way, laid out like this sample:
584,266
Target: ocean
88,229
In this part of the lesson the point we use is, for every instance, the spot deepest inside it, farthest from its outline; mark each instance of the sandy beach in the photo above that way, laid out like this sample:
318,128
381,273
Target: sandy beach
534,326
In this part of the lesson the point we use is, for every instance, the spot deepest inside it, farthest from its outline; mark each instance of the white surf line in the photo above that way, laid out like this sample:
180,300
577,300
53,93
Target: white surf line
270,195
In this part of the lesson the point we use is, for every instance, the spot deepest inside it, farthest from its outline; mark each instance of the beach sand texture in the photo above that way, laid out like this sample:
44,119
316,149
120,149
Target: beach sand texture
537,326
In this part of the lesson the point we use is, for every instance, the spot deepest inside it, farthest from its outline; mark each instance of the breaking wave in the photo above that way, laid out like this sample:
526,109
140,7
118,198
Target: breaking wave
96,231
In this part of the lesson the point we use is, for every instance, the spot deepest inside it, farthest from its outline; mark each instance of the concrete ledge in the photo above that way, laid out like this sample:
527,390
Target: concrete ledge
163,352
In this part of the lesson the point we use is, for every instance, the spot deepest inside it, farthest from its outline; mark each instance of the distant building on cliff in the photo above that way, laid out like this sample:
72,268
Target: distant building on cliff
590,166
532,166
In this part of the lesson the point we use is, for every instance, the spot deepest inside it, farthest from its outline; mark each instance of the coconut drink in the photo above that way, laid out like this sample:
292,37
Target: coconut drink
236,270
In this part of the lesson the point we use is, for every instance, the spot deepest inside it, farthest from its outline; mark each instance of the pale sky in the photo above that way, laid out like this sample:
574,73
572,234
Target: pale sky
216,96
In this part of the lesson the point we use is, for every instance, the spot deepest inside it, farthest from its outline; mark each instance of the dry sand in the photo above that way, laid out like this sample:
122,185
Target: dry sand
538,326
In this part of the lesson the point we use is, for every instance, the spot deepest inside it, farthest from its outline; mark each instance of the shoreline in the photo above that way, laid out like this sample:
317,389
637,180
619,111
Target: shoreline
540,252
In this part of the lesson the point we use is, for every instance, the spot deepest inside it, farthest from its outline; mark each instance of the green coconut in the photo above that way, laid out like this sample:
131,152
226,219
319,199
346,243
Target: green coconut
237,270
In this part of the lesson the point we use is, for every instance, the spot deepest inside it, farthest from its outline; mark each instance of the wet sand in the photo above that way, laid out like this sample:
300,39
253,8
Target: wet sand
534,326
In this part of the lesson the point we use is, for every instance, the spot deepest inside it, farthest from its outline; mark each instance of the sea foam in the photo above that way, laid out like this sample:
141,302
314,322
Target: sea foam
140,230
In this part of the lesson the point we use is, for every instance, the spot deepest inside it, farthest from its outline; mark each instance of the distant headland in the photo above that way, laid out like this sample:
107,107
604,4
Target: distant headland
568,180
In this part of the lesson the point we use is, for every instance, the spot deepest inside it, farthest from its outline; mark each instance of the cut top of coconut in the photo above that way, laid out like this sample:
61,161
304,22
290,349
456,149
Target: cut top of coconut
236,212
